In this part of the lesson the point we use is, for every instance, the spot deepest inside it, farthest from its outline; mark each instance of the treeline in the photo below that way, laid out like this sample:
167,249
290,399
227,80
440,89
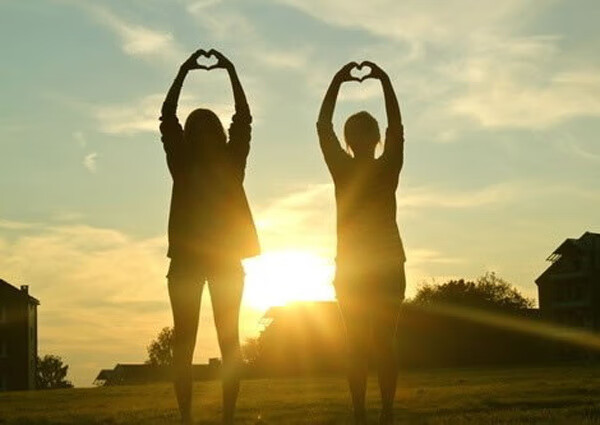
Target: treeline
458,323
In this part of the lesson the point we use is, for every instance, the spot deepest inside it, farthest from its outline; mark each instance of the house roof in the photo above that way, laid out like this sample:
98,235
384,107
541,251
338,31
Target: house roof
588,242
104,374
18,292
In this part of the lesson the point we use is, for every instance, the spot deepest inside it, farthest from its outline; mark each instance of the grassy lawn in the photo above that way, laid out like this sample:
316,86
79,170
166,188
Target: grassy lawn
554,395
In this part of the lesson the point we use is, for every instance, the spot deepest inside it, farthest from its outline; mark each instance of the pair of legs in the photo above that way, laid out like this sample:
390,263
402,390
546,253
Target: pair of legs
185,291
370,308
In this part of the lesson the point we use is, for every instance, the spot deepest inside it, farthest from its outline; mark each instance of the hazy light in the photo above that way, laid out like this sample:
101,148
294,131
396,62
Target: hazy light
551,331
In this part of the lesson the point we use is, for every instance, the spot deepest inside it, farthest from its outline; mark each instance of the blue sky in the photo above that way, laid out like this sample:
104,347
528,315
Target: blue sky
500,105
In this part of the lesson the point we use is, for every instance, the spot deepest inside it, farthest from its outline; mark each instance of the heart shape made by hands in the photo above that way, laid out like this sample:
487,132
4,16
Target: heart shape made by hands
209,61
361,72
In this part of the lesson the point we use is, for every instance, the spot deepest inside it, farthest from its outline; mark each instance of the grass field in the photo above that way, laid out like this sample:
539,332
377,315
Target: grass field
554,395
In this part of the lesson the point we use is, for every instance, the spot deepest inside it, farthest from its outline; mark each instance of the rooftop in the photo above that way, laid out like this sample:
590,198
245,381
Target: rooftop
23,291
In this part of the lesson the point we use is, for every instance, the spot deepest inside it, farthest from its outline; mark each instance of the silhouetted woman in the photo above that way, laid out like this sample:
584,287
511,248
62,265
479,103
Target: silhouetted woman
210,229
369,279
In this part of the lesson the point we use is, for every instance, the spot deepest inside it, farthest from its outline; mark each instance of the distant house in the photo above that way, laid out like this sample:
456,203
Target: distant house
569,289
18,337
140,374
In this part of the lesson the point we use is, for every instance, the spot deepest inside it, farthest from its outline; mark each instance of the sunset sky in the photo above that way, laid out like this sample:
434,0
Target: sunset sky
501,107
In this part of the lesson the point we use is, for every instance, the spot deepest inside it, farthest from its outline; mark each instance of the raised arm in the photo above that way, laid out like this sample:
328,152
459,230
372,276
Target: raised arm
330,145
240,129
239,97
394,139
170,128
169,107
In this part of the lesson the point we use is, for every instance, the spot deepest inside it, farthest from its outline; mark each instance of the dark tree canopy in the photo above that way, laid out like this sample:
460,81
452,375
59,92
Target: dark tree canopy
160,350
488,291
51,373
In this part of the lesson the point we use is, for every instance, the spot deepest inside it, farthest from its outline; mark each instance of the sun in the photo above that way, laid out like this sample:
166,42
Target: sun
280,277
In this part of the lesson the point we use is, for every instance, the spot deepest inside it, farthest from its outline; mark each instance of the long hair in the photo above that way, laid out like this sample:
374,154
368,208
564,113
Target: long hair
204,131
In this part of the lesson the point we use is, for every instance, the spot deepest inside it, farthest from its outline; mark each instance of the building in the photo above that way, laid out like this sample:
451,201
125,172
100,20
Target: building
18,337
569,289
141,374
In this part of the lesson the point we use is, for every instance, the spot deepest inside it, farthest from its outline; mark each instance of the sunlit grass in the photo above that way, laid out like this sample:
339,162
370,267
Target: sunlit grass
552,395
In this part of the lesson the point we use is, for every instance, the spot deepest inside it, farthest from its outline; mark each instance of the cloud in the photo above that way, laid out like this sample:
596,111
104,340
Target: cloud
16,225
429,265
473,58
137,40
89,162
301,219
199,6
128,118
103,293
223,23
411,19
420,256
306,215
583,153
430,197
141,115
519,83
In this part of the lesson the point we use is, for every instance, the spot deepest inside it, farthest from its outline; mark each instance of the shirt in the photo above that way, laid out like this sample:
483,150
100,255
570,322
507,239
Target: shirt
210,218
365,194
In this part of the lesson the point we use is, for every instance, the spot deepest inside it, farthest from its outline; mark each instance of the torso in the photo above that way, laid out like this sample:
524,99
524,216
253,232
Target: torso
366,212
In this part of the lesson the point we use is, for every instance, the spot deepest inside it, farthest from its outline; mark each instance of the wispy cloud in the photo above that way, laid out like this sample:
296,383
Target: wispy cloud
89,162
198,6
296,220
141,115
522,83
16,225
430,197
135,39
224,23
91,282
129,118
412,19
498,79
103,293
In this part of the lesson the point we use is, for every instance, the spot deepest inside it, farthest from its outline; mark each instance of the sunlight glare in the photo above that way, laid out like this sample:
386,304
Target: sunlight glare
280,277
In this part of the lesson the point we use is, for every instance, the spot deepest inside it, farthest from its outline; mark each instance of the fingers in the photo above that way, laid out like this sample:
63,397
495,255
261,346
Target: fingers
222,61
349,66
216,53
369,64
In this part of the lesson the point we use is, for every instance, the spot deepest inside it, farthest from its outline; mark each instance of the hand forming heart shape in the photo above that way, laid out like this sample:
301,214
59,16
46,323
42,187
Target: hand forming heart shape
364,72
211,64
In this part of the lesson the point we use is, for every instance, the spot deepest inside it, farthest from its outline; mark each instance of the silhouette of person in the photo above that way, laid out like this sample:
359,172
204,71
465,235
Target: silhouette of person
369,279
210,229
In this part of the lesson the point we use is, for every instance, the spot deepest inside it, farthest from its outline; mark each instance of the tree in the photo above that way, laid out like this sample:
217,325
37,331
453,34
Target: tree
251,350
487,292
160,350
51,373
